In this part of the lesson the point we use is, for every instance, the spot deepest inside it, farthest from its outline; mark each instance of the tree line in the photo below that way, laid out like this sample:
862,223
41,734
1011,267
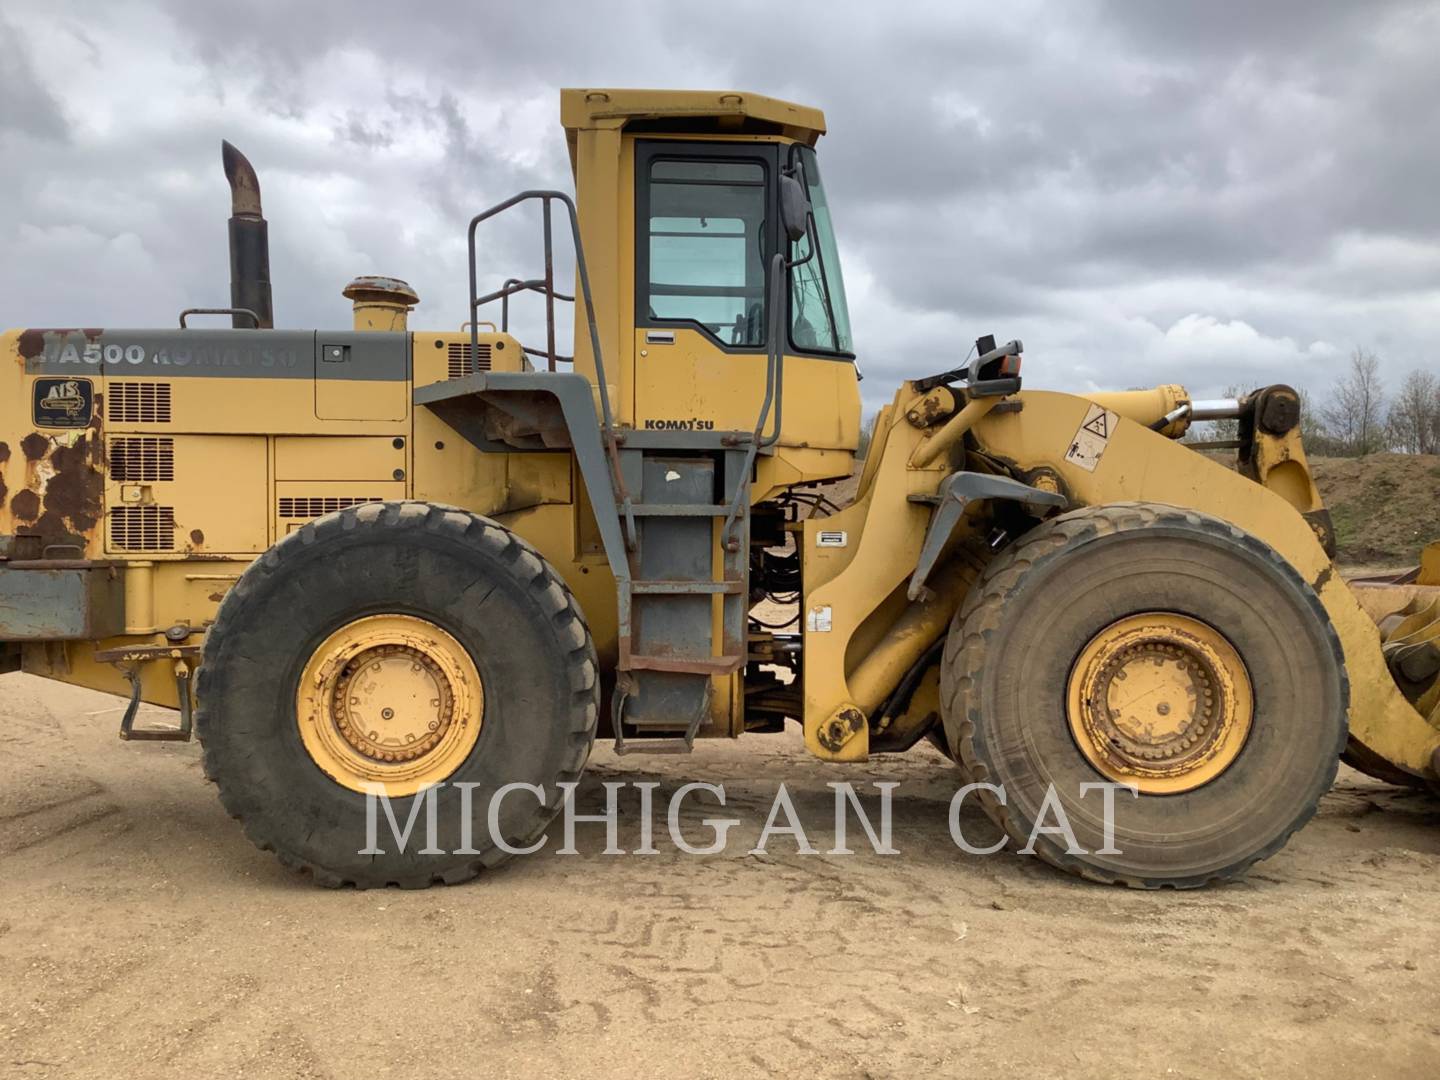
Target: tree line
1359,417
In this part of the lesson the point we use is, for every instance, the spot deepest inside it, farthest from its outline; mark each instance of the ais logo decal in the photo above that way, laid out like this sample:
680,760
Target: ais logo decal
64,403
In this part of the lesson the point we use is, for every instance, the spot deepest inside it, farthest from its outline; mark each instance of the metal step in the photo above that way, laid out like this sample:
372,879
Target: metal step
668,723
685,588
655,746
678,510
697,665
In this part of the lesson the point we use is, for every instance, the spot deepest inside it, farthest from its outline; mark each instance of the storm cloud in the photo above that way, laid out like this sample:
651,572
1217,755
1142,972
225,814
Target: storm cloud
1211,193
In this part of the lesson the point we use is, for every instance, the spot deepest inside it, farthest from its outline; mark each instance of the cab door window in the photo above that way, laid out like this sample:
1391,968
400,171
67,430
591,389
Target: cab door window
704,237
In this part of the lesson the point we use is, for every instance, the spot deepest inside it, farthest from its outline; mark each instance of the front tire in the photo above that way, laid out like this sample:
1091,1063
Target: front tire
396,647
1156,647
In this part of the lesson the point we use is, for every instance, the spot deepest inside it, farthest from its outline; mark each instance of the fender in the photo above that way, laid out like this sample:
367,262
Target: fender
958,491
518,411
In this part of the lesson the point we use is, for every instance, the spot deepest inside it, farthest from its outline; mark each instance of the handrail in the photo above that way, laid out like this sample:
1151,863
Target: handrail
774,388
535,285
545,285
218,311
775,360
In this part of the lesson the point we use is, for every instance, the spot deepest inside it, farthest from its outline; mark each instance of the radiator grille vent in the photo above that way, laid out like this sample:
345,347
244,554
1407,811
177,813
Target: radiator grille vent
137,402
313,506
460,353
142,528
142,459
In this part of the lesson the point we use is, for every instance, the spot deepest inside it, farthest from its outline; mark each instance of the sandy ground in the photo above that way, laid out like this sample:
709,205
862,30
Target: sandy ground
142,936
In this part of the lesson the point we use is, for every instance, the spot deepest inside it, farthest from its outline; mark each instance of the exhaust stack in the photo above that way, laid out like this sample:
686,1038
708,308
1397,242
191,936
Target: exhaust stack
249,242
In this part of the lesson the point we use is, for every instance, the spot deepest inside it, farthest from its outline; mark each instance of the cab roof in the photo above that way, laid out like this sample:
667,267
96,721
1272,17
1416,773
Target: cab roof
683,111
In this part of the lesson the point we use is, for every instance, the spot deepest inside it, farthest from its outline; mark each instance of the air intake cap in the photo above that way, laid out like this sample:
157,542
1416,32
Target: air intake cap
381,303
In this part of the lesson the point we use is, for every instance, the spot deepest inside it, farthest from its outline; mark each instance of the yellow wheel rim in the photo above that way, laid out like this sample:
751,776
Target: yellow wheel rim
1161,702
389,700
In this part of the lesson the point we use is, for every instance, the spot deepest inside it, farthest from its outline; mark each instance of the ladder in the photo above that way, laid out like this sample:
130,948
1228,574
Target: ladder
683,612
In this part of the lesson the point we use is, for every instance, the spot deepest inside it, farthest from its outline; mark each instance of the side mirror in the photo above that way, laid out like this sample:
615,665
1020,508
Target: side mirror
794,208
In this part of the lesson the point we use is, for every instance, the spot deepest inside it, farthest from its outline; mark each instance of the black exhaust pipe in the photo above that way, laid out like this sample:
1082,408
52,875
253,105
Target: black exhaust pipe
249,242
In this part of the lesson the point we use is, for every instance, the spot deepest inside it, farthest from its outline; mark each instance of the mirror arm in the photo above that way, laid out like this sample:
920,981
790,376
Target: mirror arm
812,236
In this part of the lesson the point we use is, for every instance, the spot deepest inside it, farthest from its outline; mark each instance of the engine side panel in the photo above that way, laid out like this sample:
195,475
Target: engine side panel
179,456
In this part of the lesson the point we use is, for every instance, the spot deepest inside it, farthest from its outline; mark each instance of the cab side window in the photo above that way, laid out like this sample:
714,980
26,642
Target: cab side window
705,230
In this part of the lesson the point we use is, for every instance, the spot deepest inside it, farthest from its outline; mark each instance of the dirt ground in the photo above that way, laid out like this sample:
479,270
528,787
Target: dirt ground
142,936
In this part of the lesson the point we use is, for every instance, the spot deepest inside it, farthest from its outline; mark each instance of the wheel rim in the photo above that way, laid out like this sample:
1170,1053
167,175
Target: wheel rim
389,700
1160,701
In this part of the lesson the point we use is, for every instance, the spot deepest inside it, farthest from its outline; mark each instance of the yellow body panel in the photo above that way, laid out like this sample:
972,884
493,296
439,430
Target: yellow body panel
341,457
845,585
1430,565
693,385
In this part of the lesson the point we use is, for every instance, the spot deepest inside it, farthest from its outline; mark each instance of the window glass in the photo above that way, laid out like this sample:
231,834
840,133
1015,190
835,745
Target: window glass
707,246
819,316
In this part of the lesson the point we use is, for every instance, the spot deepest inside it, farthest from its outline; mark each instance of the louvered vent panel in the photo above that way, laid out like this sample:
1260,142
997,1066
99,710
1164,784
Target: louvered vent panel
142,459
312,506
460,353
142,528
137,402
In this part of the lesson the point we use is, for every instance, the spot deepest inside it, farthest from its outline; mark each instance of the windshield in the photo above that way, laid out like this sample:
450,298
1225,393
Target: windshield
819,316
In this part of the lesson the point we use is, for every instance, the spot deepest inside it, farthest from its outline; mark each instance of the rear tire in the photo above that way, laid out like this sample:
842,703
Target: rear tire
491,595
1015,646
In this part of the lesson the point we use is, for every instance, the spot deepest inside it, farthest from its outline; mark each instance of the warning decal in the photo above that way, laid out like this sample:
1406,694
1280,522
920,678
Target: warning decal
1093,437
820,620
1096,425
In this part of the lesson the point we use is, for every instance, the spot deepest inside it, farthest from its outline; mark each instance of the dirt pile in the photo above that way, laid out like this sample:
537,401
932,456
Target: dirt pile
1385,507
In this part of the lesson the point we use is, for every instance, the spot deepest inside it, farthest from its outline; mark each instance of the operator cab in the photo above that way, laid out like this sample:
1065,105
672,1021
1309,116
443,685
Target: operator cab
682,208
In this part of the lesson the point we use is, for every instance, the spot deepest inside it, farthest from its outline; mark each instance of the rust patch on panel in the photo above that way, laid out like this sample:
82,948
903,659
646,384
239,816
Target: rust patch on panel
4,452
25,506
31,343
197,537
63,498
74,493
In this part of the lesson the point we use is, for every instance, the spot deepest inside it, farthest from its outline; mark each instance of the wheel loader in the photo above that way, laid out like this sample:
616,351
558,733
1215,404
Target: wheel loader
435,564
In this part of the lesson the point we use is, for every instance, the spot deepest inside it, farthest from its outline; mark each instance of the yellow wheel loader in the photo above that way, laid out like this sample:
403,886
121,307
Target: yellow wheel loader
431,564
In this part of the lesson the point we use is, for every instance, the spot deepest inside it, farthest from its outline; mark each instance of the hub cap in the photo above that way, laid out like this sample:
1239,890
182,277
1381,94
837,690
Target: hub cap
389,700
1160,701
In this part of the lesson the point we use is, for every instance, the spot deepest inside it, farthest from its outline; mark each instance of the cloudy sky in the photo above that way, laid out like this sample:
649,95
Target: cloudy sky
1210,193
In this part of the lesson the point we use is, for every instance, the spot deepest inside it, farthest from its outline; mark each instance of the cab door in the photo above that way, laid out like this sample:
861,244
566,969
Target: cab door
705,228
706,225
